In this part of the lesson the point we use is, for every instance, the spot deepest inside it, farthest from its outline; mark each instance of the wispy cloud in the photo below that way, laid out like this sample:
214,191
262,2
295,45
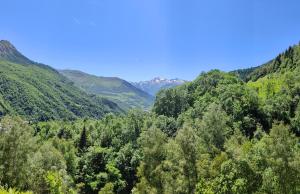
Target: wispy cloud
92,23
86,23
76,21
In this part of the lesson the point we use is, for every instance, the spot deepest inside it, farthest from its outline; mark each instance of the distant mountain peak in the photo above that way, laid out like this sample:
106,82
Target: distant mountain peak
6,48
157,83
162,79
158,79
6,44
116,89
8,52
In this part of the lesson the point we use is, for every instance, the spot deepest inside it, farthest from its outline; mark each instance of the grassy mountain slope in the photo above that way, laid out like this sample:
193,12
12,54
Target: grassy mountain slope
120,91
39,92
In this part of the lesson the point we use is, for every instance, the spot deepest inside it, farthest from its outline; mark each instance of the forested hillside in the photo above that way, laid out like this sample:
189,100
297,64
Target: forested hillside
120,91
216,134
38,92
287,61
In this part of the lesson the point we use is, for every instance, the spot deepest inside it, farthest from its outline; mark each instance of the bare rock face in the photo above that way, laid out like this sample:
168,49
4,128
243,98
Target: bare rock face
9,53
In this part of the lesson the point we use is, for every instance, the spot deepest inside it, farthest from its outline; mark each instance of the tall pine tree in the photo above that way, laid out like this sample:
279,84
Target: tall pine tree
82,145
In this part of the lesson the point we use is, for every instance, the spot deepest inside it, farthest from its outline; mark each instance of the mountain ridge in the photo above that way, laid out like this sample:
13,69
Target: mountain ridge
287,60
38,92
157,83
120,91
8,52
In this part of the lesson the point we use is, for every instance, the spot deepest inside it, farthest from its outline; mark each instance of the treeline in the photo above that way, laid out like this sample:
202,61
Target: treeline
213,135
287,61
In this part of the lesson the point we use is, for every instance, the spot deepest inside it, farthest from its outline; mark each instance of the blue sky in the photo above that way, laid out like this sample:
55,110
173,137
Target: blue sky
141,39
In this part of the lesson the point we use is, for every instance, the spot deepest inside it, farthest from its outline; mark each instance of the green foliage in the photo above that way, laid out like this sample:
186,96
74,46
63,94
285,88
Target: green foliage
111,154
223,138
220,144
153,148
282,155
171,102
25,160
13,191
95,170
55,182
214,129
39,94
192,100
267,87
17,148
244,73
216,134
83,144
167,124
287,61
107,189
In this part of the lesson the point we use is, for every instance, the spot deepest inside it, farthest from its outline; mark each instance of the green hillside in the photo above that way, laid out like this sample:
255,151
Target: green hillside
267,86
211,135
244,73
274,76
120,91
257,96
217,134
39,92
287,61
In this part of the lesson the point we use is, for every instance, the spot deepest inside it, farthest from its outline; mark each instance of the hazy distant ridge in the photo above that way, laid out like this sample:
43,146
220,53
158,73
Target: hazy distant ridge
158,83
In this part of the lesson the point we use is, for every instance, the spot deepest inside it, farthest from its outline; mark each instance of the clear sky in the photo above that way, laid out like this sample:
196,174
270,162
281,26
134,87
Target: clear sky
142,39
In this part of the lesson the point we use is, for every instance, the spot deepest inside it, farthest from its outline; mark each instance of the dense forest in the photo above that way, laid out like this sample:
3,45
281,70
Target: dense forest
217,134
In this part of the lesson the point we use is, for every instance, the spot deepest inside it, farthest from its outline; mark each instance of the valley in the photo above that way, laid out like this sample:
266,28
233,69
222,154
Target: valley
224,132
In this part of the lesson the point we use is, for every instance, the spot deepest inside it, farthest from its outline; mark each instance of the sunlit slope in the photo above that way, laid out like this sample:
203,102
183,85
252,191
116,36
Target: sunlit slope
39,92
120,91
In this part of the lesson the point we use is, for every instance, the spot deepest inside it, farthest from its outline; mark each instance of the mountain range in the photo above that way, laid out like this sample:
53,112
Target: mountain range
120,91
127,95
158,83
39,92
